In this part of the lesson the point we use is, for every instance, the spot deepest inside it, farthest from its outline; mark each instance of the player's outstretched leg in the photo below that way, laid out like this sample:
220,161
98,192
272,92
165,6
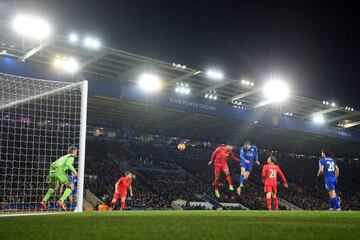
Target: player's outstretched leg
123,204
114,201
243,177
229,180
66,194
49,193
216,184
112,204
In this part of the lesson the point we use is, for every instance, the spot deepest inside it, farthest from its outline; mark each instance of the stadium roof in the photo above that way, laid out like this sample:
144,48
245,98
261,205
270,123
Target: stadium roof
125,67
109,112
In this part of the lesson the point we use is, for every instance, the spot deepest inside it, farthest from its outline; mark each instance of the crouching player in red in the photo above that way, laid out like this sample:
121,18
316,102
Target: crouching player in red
269,177
121,188
220,156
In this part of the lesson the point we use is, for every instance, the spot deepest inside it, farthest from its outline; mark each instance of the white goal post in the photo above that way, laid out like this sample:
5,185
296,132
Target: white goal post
39,121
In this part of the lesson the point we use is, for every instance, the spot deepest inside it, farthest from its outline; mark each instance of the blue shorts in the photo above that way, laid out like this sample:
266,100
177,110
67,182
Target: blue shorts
330,184
74,192
246,166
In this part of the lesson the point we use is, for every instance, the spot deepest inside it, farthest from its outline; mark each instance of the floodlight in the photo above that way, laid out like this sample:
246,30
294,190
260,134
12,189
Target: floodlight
187,90
276,90
73,38
214,74
319,119
91,42
149,82
211,97
215,97
333,104
66,64
32,27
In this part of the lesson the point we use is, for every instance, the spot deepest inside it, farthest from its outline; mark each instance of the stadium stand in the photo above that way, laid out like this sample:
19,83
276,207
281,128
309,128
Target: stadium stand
165,174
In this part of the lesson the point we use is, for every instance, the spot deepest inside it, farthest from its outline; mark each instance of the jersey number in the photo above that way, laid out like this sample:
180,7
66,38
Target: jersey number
272,173
331,166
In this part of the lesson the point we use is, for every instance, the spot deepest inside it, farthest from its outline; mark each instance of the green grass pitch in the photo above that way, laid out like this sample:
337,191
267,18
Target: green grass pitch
184,225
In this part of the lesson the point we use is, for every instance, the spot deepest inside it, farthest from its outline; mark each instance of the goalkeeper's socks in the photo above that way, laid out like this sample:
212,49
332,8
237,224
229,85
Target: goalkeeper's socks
49,193
276,203
268,203
66,194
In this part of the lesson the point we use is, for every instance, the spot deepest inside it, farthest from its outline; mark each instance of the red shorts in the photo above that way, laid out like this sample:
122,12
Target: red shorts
272,189
120,195
221,167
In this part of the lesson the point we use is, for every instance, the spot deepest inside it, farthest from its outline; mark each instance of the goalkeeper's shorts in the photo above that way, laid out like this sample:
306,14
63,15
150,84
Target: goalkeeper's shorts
61,178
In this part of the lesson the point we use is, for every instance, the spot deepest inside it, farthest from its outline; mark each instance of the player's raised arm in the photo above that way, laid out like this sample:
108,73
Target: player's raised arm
69,164
130,190
337,171
263,175
213,155
117,186
321,168
236,159
282,176
257,156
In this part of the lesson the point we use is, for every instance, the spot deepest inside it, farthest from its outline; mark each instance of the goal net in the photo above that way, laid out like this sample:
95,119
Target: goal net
39,121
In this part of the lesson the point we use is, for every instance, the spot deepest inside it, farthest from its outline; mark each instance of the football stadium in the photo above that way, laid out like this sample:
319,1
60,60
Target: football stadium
102,143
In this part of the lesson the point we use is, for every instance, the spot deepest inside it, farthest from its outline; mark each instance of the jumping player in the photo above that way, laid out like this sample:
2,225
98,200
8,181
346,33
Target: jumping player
328,167
248,154
121,188
220,156
269,178
58,175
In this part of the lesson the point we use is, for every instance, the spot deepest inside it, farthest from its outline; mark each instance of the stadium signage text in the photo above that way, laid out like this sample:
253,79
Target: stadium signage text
192,104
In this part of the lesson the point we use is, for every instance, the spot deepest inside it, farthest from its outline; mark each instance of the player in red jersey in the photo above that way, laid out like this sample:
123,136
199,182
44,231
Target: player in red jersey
269,177
219,157
121,188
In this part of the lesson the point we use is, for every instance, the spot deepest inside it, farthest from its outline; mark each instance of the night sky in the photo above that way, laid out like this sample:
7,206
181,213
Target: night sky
315,45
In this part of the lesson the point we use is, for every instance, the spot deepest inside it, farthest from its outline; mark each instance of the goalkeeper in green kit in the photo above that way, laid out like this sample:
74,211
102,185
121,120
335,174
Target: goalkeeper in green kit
58,175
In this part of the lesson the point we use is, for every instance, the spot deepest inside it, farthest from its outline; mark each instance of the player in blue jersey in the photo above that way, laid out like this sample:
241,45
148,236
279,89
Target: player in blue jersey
330,170
248,154
73,181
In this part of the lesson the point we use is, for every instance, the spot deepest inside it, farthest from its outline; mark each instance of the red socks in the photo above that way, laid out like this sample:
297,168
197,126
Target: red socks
228,179
276,202
268,203
122,206
216,183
